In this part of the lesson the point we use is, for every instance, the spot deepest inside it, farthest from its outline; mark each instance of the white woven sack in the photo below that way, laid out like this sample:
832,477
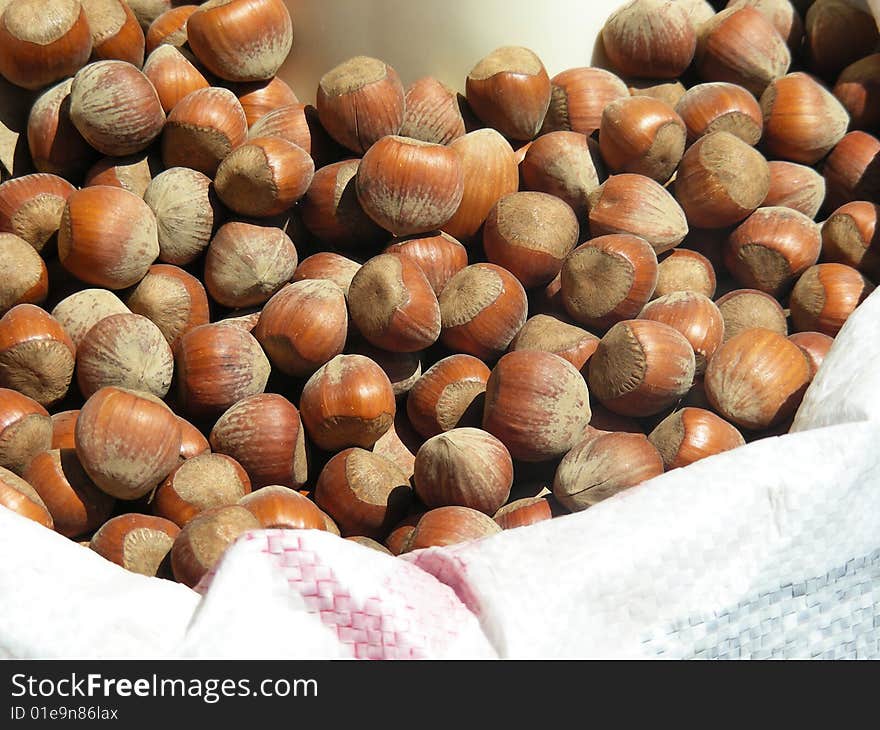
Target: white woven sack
771,550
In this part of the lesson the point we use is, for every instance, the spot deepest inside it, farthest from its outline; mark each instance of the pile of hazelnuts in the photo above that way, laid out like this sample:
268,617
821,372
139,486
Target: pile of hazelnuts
408,316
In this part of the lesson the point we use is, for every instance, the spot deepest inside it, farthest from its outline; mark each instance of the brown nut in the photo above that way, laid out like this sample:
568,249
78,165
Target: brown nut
578,97
530,234
482,308
509,90
82,310
466,467
31,207
139,543
433,112
815,346
19,496
26,280
744,309
543,332
851,170
692,434
685,270
278,507
772,248
25,430
347,402
265,435
608,279
641,368
603,465
721,107
438,255
449,526
825,296
200,483
795,186
757,379
126,441
116,32
523,512
537,405
173,75
366,494
851,236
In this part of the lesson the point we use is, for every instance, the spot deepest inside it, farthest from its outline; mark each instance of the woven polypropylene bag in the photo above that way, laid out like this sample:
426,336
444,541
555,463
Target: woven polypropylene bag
770,550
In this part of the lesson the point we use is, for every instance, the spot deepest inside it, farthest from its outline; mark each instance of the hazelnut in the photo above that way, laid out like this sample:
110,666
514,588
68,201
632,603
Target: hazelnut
115,108
217,366
721,181
172,299
638,205
43,41
408,186
126,441
82,310
360,101
278,507
857,89
482,308
802,120
641,135
93,216
186,212
602,465
327,266
201,544
241,40
146,11
509,90
139,543
757,379
721,107
836,34
347,402
26,280
298,123
203,128
132,173
669,93
783,16
537,405
19,496
815,346
200,483
685,270
578,97
116,32
795,186
692,434
851,236
530,234
641,368
169,28
825,296
55,144
465,467
299,345
432,112
489,172
127,351
36,354
651,38
264,177
332,212
608,279
744,309
447,395
173,75
564,164
265,435
261,97
246,264
25,430
771,248
523,512
693,315
31,207
77,506
438,255
740,46
63,425
366,494
398,448
851,170
449,526
549,334
192,441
